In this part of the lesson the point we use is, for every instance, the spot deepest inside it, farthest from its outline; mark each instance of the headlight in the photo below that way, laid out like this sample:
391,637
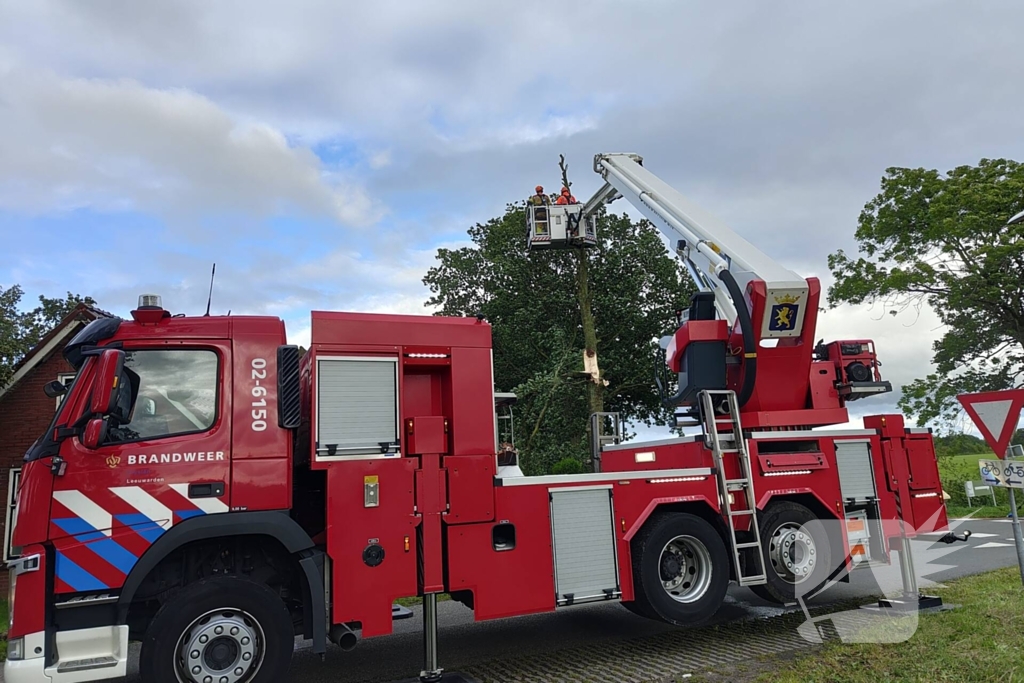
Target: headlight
16,648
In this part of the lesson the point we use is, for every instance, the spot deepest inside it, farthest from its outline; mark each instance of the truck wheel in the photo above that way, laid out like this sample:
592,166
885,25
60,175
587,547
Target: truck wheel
797,553
220,630
638,609
680,570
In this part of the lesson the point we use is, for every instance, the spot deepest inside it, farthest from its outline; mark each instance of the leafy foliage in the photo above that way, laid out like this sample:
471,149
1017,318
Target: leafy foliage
21,330
567,466
942,240
531,301
968,444
959,444
953,472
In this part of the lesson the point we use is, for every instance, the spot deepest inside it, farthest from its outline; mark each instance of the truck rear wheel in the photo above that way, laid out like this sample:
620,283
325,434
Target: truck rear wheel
680,570
220,630
797,553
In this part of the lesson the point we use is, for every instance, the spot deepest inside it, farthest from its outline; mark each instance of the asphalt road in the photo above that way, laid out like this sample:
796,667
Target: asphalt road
464,643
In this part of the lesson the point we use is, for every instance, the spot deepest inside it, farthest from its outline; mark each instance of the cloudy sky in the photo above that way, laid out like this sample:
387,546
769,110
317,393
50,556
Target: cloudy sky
321,151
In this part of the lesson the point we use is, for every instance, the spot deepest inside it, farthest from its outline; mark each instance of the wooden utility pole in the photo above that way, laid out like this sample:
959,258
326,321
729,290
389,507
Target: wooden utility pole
595,385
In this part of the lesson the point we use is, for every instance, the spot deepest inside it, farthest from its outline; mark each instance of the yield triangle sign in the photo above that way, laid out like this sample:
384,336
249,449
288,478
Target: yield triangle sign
995,413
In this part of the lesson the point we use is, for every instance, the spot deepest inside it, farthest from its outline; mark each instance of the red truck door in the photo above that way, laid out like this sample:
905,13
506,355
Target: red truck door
169,463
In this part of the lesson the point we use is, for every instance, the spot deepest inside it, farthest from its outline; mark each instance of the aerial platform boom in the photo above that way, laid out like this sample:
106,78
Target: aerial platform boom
706,244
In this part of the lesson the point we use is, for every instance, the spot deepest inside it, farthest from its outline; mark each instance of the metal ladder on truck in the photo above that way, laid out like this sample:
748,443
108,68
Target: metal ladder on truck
722,429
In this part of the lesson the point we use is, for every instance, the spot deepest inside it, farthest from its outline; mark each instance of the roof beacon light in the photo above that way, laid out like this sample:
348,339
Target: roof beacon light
151,310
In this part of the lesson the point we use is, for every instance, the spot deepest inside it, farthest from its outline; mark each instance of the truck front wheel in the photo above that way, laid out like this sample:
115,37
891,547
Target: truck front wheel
680,570
222,630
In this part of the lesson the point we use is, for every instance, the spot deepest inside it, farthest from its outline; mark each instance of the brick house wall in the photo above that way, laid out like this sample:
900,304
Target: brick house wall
25,413
25,410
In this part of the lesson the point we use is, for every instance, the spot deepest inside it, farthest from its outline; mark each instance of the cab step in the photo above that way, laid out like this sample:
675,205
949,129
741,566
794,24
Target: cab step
86,664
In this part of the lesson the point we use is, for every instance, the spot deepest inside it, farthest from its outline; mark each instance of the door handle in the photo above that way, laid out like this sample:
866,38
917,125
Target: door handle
209,489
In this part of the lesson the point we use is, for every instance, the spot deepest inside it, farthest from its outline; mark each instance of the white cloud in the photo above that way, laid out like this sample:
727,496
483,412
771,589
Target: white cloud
113,145
380,159
494,135
300,329
781,120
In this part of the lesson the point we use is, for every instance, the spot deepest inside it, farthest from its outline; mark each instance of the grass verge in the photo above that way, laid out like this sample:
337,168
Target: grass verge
3,630
984,512
413,602
980,641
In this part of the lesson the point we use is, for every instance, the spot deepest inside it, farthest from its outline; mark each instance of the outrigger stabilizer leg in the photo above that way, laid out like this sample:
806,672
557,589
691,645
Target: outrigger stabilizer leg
912,598
432,673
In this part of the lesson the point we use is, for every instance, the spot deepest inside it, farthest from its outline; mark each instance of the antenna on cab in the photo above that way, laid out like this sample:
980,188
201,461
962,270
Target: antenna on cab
209,299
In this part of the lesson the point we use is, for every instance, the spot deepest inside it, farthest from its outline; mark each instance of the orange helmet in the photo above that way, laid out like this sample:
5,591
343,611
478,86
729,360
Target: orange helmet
539,189
565,190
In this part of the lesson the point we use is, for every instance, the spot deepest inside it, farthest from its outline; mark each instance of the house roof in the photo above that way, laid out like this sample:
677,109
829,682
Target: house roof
52,341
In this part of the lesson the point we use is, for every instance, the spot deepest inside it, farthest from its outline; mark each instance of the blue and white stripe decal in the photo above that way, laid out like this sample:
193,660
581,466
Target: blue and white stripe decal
92,526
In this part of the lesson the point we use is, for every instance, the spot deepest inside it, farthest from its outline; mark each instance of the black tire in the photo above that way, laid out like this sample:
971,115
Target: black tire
777,522
639,610
697,563
231,603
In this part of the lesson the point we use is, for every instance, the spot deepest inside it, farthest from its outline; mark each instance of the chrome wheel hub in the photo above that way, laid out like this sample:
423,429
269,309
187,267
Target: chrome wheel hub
685,568
221,646
792,552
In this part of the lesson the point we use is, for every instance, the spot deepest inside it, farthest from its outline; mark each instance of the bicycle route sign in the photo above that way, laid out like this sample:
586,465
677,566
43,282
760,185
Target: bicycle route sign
1004,473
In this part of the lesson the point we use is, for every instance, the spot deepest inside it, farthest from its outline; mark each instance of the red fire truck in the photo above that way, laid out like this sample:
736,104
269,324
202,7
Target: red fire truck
205,490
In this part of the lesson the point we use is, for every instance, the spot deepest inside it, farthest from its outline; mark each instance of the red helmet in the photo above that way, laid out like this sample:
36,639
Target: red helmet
539,189
565,190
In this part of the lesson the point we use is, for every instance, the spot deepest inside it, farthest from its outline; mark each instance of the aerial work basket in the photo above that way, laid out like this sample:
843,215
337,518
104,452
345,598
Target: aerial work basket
560,226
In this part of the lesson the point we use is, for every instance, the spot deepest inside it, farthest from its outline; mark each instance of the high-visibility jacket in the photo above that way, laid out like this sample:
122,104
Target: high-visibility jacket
566,199
540,200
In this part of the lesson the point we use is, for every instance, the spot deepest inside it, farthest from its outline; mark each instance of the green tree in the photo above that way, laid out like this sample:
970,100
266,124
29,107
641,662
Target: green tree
960,444
21,330
941,240
531,301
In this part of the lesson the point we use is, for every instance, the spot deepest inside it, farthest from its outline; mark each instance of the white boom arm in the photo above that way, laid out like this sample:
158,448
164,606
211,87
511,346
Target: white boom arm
708,245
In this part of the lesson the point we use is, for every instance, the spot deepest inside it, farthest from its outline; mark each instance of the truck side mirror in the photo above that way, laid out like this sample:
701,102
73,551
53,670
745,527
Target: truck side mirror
105,385
94,433
54,388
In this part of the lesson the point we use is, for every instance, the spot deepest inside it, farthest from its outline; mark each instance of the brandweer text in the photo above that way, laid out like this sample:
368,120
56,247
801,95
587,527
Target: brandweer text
167,458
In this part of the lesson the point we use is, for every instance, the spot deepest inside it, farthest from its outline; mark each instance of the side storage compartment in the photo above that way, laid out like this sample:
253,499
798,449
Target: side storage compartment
856,474
371,539
925,485
859,488
583,539
506,564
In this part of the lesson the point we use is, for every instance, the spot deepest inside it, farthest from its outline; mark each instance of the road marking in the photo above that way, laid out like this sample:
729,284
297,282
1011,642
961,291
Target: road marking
980,519
993,545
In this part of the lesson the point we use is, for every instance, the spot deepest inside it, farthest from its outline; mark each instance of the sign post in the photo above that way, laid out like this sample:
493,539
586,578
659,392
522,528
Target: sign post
1009,474
996,414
